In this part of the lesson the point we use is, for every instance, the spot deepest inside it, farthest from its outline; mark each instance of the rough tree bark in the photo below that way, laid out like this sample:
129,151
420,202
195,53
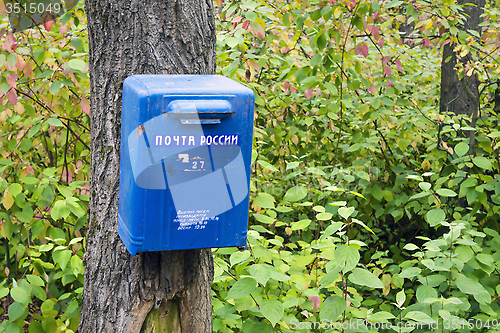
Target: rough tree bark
150,292
461,96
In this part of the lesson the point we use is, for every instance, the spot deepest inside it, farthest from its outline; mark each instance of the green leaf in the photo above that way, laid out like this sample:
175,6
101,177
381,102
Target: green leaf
267,165
55,87
243,287
49,324
261,273
347,257
263,218
435,216
482,162
419,316
332,308
35,280
47,306
364,277
345,212
292,165
301,225
425,292
72,309
485,259
16,310
446,192
61,257
29,180
361,223
400,298
324,216
272,309
55,122
76,265
321,41
380,316
3,292
410,272
264,200
425,186
46,247
15,189
36,327
329,278
20,295
77,64
77,44
461,148
26,215
238,257
393,3
296,193
410,247
471,287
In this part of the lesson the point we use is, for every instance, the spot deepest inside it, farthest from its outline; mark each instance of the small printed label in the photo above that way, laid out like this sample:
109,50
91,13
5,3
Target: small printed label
193,219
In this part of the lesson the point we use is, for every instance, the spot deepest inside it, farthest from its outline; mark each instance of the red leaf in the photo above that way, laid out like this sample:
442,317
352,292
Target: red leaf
372,89
20,62
361,48
308,93
12,96
381,42
85,106
29,169
398,65
48,22
63,29
67,175
27,70
85,190
10,42
427,42
316,300
351,4
245,24
364,50
11,80
237,19
387,70
373,29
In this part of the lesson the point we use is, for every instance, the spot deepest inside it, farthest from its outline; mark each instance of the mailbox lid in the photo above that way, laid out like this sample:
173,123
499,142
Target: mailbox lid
190,84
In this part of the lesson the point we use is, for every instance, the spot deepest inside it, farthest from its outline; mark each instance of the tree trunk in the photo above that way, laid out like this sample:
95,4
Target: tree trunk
158,291
461,96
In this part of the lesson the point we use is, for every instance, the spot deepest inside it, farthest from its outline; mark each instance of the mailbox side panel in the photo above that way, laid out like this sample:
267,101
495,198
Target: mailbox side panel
234,231
131,197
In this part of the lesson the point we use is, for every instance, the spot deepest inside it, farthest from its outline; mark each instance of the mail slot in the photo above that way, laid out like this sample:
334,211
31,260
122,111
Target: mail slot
186,144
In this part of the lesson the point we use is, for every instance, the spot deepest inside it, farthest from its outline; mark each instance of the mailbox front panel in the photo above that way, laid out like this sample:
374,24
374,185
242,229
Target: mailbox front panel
186,146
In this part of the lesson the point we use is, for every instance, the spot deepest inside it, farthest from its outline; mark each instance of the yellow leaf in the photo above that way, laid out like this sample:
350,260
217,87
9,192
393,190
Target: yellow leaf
337,12
7,199
19,108
426,165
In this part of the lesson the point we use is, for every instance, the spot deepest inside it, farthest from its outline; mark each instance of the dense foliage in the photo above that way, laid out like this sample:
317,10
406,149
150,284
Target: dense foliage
367,203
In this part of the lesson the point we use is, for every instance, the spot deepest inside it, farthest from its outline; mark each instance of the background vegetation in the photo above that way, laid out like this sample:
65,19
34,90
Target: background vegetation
367,202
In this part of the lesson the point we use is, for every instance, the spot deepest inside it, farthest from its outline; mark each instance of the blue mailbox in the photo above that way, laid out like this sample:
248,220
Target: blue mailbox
186,145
